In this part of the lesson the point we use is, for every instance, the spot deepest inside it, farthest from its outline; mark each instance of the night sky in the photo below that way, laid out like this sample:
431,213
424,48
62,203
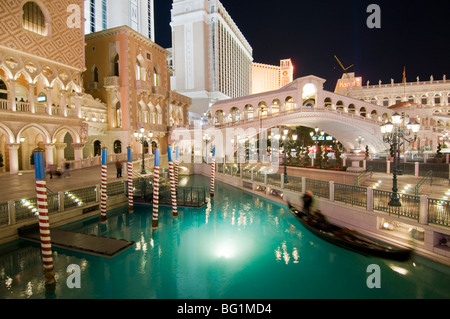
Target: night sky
413,34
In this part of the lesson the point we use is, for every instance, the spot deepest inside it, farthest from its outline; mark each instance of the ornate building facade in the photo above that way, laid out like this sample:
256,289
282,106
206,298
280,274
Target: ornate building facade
429,100
129,73
51,98
40,84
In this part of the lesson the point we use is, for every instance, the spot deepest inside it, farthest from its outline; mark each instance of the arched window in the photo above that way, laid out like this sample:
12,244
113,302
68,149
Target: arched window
33,18
97,148
118,115
3,90
155,77
95,74
117,147
116,65
138,70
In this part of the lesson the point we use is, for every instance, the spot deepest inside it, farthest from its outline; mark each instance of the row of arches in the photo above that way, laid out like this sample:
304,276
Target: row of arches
236,114
434,99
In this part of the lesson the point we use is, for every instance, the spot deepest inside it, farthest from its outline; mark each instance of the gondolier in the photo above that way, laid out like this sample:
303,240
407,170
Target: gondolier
347,238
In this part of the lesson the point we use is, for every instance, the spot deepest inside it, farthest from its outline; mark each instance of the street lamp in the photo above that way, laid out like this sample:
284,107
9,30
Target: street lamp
359,140
395,133
142,138
315,135
285,139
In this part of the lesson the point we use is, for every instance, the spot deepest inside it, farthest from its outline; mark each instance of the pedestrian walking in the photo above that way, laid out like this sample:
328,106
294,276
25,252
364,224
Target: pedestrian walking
119,168
66,169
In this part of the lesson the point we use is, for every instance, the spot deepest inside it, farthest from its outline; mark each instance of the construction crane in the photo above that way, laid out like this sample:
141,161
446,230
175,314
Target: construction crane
342,66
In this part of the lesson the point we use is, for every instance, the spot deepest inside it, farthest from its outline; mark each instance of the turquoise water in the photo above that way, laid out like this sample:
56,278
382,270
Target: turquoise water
238,246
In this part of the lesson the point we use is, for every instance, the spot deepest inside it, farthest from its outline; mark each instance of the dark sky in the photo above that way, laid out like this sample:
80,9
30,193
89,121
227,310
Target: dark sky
413,34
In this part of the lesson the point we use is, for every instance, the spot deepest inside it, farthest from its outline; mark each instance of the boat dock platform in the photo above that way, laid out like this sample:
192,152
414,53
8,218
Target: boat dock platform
84,243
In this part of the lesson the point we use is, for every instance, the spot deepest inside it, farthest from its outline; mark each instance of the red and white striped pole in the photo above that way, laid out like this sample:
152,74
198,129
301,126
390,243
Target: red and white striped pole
103,186
155,190
173,186
176,166
130,180
213,171
44,222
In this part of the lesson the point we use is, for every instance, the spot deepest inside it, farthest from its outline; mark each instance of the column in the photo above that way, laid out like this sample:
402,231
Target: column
78,150
423,212
77,102
48,91
13,157
49,159
12,94
31,97
60,153
63,102
78,153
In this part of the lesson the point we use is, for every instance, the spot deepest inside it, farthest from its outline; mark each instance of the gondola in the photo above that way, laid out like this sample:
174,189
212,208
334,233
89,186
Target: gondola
347,238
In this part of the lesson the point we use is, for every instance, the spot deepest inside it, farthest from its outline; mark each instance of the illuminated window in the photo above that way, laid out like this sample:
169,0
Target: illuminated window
3,90
33,18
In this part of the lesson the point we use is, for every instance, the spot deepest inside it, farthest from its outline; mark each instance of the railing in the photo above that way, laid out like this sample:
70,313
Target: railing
191,196
80,197
319,188
410,204
439,212
422,181
361,176
435,211
351,195
4,214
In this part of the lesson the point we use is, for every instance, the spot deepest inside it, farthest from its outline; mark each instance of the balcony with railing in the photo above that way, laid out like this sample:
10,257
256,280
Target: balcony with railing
111,81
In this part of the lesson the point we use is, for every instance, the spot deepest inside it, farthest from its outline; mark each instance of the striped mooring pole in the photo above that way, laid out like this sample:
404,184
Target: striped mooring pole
44,222
176,165
173,186
130,180
155,189
103,186
213,170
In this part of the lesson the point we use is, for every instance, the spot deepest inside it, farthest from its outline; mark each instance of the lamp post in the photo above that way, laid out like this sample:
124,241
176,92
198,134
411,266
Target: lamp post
285,138
395,133
315,135
359,140
142,138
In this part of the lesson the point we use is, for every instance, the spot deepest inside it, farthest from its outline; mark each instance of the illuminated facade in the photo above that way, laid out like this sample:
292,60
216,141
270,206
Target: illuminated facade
428,100
271,77
212,60
106,14
129,73
41,99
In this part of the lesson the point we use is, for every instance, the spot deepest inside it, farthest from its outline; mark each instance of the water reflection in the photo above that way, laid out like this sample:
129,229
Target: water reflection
245,247
282,254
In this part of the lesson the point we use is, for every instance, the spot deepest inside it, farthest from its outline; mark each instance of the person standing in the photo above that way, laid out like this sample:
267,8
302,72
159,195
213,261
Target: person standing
119,168
309,202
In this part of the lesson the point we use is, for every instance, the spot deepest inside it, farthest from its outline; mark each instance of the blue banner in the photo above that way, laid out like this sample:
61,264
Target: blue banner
39,167
157,157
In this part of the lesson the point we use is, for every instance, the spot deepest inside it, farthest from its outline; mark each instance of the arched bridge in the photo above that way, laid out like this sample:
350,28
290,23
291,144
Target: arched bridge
304,102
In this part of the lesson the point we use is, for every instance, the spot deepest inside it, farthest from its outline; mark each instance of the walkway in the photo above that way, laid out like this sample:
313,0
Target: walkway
23,186
13,186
